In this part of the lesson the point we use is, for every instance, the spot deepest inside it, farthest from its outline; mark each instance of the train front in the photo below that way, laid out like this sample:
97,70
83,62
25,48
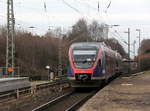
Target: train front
83,70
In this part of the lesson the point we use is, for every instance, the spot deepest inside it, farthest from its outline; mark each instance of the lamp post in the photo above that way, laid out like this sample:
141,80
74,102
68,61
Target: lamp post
50,73
48,68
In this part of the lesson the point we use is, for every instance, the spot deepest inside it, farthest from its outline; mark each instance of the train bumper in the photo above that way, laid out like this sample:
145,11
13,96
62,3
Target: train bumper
85,83
92,78
94,82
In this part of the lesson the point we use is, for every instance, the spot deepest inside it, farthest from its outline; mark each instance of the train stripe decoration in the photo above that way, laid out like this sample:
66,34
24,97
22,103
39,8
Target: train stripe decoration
91,63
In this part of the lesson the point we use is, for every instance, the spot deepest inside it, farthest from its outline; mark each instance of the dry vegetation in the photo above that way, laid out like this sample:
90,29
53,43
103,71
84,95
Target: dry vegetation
34,52
144,55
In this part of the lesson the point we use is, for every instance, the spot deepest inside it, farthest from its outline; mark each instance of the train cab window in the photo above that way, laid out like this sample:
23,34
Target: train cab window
84,58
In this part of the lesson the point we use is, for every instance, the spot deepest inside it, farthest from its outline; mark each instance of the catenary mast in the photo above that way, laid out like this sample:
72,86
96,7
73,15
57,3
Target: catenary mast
10,46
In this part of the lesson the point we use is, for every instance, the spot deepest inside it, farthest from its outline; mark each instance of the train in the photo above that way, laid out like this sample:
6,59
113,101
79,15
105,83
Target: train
92,63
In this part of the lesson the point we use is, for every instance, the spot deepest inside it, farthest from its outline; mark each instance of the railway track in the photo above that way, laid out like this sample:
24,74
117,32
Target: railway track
70,101
67,102
14,94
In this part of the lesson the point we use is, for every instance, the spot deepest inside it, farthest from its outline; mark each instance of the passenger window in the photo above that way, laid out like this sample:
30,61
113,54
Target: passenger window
117,63
99,62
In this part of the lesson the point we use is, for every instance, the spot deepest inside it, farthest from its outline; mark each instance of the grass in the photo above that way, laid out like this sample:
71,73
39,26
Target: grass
146,72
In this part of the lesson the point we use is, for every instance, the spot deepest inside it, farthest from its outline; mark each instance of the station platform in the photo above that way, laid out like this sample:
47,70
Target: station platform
123,94
34,83
8,84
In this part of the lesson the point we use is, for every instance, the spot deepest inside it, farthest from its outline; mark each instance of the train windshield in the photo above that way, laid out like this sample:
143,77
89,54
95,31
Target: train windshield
84,58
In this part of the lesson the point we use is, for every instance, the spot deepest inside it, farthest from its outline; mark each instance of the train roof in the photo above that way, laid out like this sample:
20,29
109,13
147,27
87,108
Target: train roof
95,44
83,44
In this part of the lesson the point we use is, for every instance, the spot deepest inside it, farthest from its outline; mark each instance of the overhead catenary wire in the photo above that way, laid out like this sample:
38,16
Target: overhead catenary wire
123,45
21,4
97,7
121,41
75,9
93,8
118,38
19,17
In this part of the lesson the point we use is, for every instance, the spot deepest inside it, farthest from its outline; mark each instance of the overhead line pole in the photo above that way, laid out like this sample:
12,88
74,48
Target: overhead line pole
128,32
129,50
10,47
60,54
134,47
139,53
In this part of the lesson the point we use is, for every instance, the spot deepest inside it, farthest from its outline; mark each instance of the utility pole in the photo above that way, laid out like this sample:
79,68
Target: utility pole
10,46
134,47
139,53
128,32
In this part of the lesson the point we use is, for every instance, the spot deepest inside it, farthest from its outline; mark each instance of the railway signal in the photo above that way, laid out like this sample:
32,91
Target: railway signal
10,70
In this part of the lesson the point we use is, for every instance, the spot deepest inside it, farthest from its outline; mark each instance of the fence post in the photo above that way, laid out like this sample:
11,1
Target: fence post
33,89
17,93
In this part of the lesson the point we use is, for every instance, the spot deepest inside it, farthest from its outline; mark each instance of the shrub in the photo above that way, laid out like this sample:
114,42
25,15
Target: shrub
145,62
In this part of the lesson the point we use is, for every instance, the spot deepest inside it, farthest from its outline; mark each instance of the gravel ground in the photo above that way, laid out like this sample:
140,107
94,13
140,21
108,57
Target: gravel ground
67,102
29,102
123,94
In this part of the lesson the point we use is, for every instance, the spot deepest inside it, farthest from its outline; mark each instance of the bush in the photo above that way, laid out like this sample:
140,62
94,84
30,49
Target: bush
145,62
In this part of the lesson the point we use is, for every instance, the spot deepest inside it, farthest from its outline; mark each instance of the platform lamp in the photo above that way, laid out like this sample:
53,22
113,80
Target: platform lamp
48,68
50,73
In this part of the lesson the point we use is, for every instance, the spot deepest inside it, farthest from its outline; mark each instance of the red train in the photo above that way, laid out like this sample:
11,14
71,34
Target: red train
91,63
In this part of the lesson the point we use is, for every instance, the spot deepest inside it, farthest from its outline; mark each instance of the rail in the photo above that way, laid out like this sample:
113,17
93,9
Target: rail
80,102
44,106
59,102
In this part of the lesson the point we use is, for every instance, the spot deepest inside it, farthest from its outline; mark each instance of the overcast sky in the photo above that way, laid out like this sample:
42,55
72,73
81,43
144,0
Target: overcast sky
126,13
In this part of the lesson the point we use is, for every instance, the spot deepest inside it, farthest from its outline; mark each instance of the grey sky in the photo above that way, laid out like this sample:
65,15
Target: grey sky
126,13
